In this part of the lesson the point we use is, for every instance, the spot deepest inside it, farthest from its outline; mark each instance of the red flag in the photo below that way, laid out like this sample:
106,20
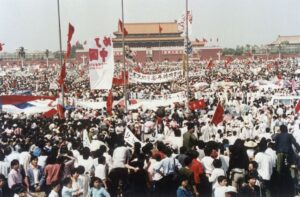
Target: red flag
70,32
198,104
109,103
122,28
70,35
160,29
68,53
297,107
62,75
1,46
227,61
49,113
210,64
218,116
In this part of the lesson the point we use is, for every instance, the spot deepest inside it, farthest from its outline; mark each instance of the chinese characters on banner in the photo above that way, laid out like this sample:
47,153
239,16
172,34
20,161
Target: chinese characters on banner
101,63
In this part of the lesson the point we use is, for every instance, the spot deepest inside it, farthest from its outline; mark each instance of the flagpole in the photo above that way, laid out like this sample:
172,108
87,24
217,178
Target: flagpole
159,43
60,49
187,55
124,67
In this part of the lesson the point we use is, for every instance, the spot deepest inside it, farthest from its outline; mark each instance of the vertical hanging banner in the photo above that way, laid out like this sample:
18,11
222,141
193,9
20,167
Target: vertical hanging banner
101,63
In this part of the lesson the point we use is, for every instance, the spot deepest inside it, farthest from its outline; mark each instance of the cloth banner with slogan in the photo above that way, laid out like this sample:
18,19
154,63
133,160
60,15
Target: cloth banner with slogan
130,138
101,63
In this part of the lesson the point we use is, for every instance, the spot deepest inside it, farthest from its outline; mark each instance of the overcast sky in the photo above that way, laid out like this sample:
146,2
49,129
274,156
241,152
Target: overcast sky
34,23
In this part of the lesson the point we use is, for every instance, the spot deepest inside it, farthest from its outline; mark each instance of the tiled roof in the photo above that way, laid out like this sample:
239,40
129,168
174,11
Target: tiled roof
148,39
290,39
150,28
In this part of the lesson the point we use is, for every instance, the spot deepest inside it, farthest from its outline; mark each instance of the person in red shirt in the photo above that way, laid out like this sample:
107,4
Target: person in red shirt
196,167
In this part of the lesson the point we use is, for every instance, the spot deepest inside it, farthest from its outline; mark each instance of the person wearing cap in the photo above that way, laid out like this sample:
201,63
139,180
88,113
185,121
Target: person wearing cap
189,138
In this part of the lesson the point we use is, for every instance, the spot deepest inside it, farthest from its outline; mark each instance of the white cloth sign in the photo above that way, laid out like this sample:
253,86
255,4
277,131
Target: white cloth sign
130,138
85,139
101,63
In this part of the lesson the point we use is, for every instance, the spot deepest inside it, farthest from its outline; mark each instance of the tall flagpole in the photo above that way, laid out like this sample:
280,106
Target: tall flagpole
60,49
159,42
124,67
187,54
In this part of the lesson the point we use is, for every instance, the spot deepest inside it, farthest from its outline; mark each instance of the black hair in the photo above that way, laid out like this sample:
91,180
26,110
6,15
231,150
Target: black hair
188,160
254,164
14,162
93,180
33,158
66,181
217,163
81,169
221,178
182,150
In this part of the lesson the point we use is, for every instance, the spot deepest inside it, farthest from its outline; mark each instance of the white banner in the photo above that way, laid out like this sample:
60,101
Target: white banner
101,63
85,139
130,138
135,77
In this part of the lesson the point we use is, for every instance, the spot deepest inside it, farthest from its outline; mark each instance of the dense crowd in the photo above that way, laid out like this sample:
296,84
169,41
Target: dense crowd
179,152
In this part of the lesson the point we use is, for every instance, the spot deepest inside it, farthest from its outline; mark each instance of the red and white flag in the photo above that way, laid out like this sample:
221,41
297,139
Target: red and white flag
109,103
60,108
101,63
219,114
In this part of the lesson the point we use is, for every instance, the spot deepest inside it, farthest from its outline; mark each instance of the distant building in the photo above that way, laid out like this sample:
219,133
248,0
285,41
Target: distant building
285,45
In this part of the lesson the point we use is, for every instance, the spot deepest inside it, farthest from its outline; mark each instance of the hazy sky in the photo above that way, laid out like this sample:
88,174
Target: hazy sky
34,24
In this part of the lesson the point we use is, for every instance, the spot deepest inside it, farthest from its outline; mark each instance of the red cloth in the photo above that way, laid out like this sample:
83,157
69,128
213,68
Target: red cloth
122,28
197,169
52,173
50,113
198,104
62,75
297,107
228,61
218,116
17,99
70,32
1,46
109,102
210,64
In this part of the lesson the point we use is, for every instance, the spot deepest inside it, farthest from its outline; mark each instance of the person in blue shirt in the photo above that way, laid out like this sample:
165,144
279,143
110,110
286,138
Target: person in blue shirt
182,190
97,188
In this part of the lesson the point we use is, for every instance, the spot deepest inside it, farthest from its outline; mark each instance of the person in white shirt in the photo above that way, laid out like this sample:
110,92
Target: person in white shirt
55,189
101,170
86,161
217,171
221,189
265,166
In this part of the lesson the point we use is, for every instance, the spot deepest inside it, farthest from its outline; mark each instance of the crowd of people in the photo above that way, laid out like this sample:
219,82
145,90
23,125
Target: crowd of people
178,152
